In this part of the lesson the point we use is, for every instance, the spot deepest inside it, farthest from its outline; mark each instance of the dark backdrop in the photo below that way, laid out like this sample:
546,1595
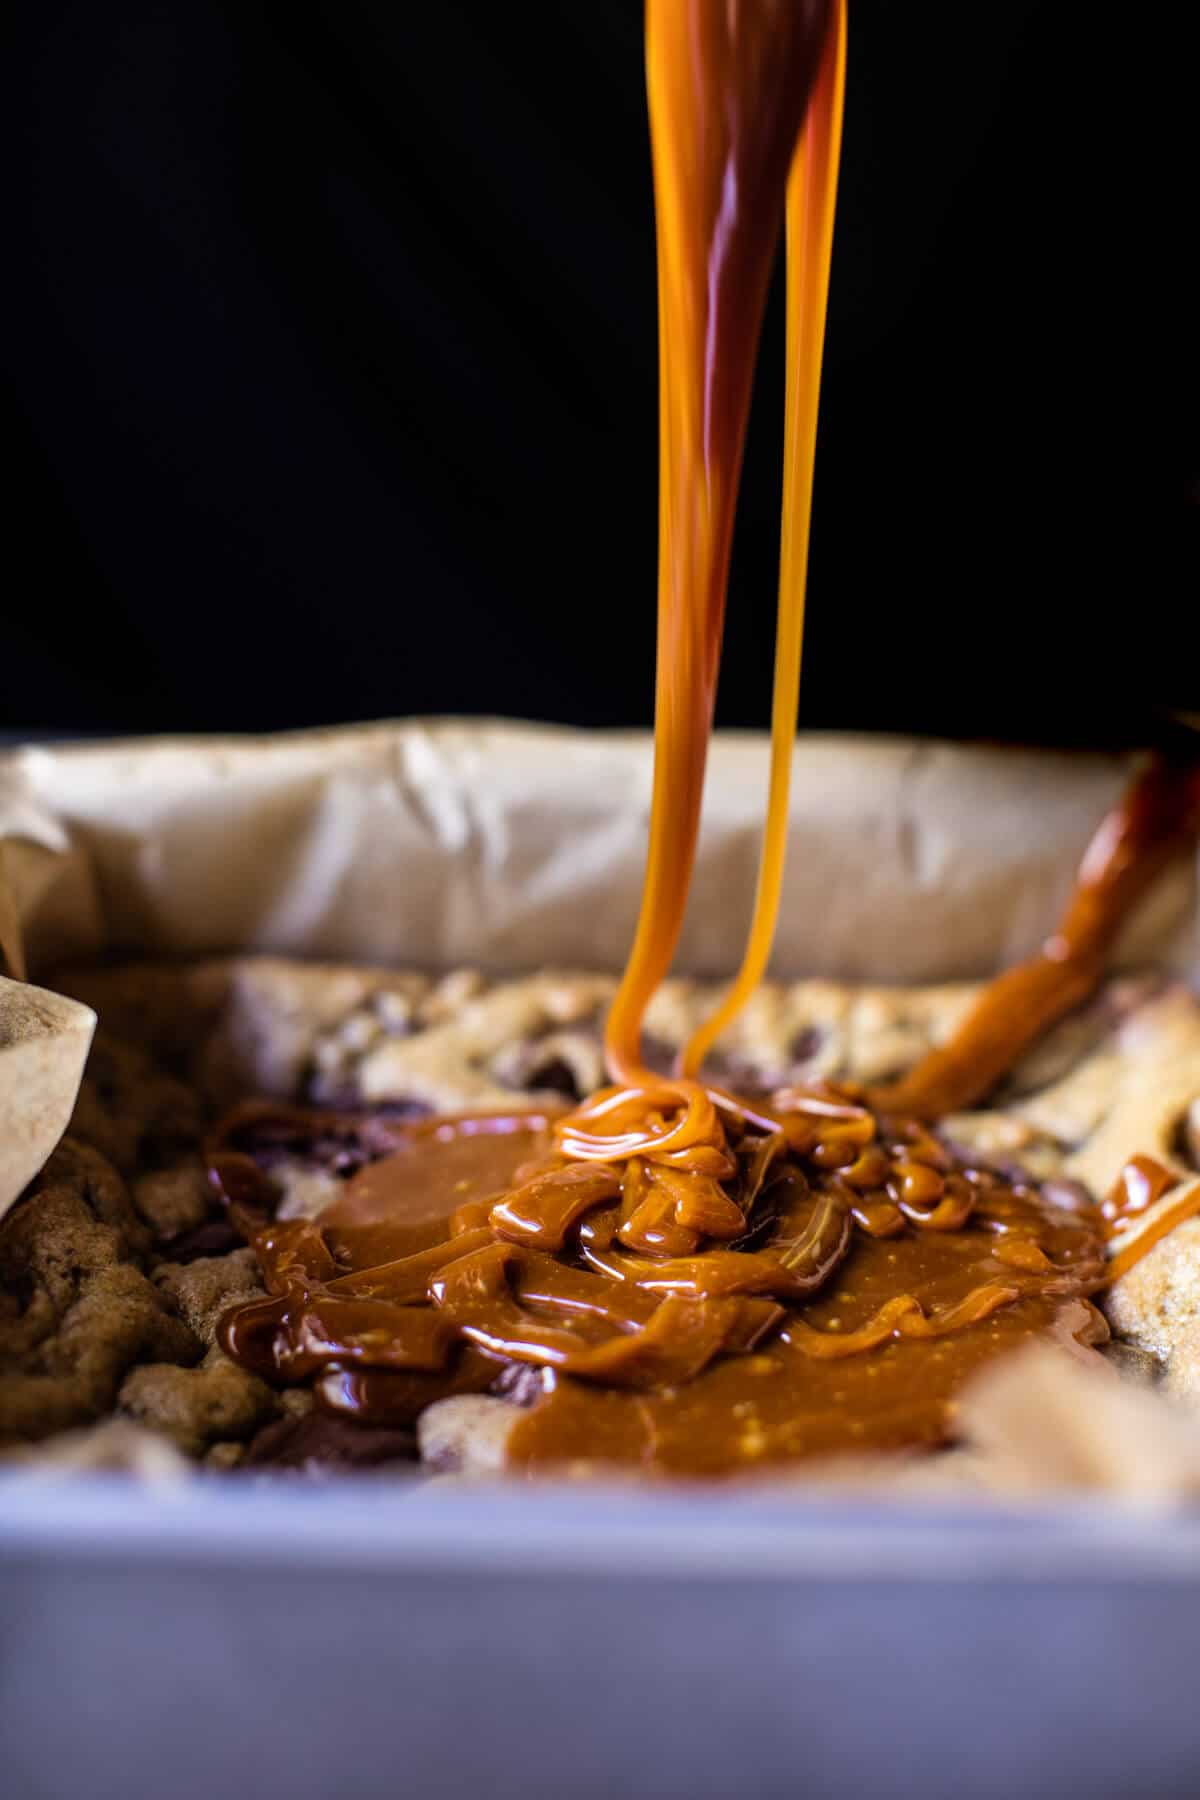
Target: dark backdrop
330,367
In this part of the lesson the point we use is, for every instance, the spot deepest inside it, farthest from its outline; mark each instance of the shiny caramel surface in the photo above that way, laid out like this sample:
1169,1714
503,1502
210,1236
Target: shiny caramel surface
825,1288
403,1204
780,1406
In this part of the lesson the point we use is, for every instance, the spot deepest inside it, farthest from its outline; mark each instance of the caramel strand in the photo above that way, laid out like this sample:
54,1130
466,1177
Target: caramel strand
1137,1191
811,200
1154,819
729,90
1153,1232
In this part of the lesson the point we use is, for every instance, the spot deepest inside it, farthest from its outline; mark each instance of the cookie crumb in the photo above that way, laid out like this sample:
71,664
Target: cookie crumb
197,1407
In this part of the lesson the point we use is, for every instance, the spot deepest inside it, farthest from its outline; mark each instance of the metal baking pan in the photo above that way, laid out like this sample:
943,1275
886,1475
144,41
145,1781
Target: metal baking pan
374,1640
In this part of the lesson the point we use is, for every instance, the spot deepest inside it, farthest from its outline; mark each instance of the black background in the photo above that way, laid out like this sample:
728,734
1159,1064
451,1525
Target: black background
329,353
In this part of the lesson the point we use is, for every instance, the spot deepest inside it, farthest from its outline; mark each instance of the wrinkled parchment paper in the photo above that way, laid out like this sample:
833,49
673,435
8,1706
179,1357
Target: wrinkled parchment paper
44,1041
514,847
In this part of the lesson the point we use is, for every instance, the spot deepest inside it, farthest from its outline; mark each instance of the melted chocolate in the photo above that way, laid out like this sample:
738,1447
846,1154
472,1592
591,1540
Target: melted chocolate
321,1445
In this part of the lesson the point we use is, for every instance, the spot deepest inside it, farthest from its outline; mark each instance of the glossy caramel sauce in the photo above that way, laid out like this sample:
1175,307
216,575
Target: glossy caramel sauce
676,1278
826,1287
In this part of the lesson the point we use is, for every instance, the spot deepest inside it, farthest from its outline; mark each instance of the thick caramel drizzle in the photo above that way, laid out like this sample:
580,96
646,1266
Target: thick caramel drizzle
1142,1183
811,197
729,89
1154,818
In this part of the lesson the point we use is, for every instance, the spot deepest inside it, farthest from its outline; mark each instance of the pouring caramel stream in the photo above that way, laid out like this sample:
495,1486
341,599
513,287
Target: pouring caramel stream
729,91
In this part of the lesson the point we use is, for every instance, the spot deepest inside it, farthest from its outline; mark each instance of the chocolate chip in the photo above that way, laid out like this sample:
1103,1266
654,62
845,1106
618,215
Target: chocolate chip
726,1069
317,1444
340,1143
556,1077
975,1162
740,1076
216,1238
1071,1196
242,1186
346,1097
1186,1140
657,1054
806,1043
348,1162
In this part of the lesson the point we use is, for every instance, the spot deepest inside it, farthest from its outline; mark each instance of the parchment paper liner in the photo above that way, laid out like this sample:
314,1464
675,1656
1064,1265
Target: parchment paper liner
515,847
44,1041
